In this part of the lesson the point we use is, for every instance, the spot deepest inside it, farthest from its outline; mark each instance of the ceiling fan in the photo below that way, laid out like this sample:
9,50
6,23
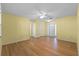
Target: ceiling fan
44,15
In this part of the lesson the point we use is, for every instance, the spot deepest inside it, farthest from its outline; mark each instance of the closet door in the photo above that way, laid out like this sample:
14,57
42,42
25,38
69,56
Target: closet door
41,28
33,30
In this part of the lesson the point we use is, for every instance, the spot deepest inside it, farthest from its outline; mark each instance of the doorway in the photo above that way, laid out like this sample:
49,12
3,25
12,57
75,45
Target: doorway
51,29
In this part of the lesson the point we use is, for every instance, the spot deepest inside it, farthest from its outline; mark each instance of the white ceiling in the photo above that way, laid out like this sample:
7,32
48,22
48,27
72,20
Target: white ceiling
32,10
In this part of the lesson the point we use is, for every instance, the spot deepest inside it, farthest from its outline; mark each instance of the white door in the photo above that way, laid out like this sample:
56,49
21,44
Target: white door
40,29
33,30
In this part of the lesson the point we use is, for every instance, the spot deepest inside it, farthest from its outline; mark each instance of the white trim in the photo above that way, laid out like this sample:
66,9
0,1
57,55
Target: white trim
55,29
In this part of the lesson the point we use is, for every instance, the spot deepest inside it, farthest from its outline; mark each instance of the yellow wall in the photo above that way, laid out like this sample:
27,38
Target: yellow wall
17,28
14,28
78,29
0,37
0,46
66,28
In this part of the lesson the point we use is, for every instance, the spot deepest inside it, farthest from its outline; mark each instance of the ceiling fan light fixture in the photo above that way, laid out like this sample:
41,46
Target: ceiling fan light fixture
48,20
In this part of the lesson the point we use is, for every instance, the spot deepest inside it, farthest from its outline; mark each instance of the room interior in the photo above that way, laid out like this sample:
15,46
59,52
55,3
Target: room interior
39,29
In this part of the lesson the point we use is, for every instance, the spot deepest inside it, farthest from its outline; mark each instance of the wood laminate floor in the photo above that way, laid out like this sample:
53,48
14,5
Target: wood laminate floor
42,46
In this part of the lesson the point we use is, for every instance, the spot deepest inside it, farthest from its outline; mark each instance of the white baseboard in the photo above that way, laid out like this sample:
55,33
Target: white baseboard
68,39
14,41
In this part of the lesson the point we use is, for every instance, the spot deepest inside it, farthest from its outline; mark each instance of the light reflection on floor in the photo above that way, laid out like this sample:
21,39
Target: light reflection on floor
54,42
